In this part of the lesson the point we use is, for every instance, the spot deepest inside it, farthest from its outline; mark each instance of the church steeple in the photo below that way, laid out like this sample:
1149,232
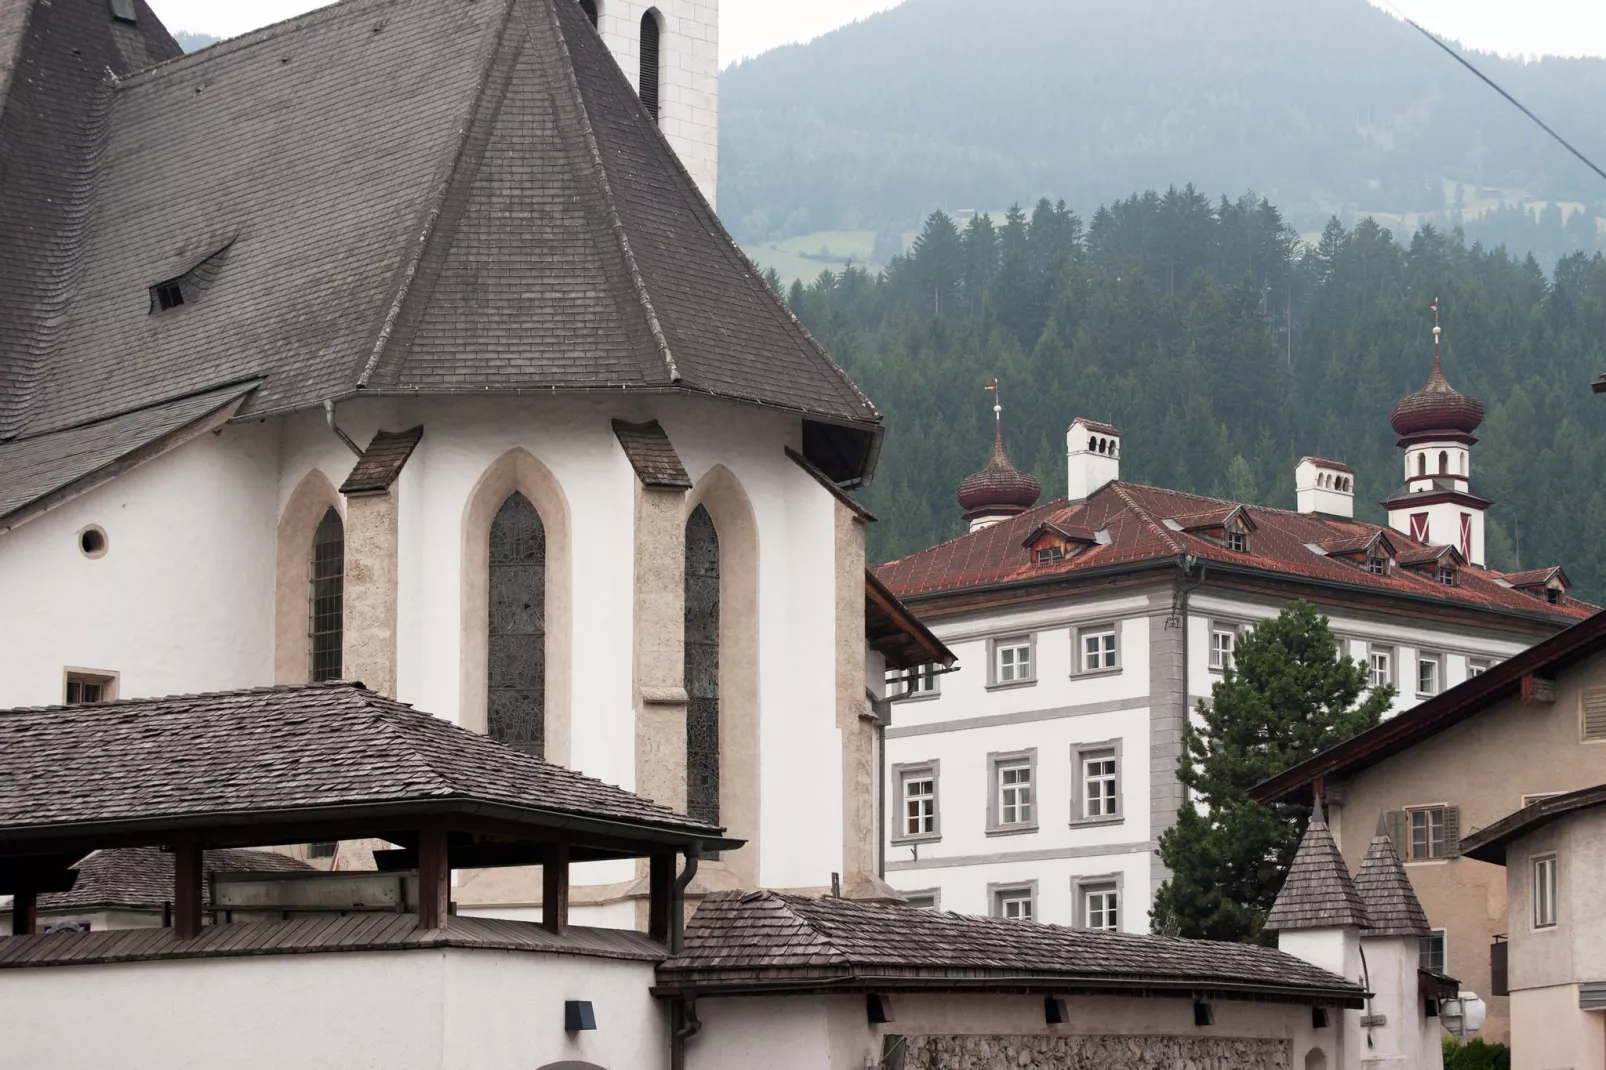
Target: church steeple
1436,504
1000,490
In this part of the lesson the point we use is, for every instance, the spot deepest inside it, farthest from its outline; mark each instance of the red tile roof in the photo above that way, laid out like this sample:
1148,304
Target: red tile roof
1134,517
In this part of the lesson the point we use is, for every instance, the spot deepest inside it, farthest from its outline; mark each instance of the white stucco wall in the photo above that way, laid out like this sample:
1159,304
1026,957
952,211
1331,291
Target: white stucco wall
1549,1032
182,601
416,1010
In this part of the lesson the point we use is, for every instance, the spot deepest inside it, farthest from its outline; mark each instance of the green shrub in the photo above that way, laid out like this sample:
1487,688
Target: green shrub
1475,1055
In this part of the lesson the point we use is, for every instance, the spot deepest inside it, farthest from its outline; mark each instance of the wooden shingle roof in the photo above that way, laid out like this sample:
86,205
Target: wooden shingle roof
1392,908
1318,893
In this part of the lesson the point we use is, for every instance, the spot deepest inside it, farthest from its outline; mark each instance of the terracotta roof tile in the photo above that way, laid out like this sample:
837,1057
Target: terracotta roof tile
1133,515
762,938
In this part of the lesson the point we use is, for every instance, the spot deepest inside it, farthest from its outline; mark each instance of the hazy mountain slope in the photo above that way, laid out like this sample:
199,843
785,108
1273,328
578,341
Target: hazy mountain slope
1323,105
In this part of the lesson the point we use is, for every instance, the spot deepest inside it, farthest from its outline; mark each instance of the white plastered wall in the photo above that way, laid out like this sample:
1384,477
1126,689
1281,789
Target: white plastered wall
182,600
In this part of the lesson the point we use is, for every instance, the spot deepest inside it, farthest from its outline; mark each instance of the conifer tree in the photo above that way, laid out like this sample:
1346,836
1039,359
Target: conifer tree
1287,696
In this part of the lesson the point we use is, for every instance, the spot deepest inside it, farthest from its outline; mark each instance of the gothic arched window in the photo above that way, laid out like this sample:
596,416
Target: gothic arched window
650,65
1444,462
590,8
702,667
1421,464
516,633
326,614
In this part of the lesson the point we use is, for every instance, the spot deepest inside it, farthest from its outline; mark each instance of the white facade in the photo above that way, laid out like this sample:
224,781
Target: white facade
1441,519
1324,487
1092,457
183,601
688,74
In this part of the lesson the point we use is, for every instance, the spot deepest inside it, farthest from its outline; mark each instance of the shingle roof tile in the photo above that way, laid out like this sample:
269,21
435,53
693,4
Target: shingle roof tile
382,462
1318,892
141,878
1392,908
651,454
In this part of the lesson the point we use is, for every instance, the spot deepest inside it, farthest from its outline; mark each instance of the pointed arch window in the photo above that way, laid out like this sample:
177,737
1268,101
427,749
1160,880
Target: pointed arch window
326,614
516,632
702,667
651,68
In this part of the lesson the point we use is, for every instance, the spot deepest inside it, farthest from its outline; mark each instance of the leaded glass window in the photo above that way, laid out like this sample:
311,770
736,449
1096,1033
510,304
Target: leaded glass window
326,614
516,633
702,667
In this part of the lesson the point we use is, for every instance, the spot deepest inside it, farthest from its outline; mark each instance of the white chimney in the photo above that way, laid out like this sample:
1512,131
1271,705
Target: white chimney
1325,487
1092,457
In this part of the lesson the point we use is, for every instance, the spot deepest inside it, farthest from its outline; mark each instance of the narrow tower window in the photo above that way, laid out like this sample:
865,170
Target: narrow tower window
702,667
1421,464
326,599
590,8
1444,462
516,632
650,68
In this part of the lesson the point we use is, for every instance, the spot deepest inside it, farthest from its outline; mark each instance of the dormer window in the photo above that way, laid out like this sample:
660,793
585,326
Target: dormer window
186,289
1050,554
1554,596
1377,565
166,295
1446,575
124,11
1237,542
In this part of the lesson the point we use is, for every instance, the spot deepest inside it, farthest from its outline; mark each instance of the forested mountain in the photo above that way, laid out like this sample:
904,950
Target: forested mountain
1329,107
1169,315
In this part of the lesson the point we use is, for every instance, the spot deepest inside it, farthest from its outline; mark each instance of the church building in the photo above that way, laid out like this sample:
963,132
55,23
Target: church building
400,343
1036,782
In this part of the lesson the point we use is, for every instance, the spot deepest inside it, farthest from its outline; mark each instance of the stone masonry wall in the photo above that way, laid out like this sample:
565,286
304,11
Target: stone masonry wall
1094,1053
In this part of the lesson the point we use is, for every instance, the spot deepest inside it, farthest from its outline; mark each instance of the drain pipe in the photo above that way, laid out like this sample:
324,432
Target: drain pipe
683,1021
329,415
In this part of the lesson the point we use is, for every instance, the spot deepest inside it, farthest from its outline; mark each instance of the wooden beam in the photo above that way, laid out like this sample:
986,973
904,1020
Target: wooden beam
434,879
555,889
24,913
187,884
661,894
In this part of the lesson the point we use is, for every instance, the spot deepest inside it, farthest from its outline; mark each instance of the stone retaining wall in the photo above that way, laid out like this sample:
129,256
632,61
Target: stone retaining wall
1092,1053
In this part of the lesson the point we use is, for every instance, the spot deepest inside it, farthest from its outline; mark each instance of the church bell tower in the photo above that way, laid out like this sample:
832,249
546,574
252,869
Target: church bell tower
1436,505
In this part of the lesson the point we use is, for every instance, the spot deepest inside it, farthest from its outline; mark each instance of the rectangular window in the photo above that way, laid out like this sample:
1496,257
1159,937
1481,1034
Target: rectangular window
1013,806
1103,910
1237,541
1446,575
1377,566
323,849
1012,661
918,815
1100,786
1430,953
1223,639
1381,664
926,900
1545,892
1099,650
910,683
1017,903
87,688
1592,715
1427,834
1050,554
1477,667
1427,674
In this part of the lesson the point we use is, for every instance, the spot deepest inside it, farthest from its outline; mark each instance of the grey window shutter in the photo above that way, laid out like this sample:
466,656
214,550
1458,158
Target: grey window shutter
1452,832
1396,826
1594,714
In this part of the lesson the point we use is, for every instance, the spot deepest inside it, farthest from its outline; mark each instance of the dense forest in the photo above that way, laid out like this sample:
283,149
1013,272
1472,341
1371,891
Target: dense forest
1328,107
1224,348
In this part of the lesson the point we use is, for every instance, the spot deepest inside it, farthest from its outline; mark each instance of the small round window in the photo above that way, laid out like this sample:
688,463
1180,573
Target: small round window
92,541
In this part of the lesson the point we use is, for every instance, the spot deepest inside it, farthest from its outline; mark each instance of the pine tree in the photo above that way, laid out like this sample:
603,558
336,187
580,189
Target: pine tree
1287,696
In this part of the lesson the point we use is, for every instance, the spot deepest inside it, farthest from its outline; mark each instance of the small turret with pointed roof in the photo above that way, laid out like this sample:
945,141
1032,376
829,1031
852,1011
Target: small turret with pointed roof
1392,908
1318,893
1000,490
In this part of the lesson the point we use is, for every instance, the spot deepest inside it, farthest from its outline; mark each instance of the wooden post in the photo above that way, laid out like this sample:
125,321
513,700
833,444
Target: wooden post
434,879
187,884
555,889
24,913
661,893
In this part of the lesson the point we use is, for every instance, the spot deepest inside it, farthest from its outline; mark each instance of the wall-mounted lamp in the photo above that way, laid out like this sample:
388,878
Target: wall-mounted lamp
578,1015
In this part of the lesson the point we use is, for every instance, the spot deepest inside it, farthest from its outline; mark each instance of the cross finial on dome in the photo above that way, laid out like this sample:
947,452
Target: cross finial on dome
1437,331
998,416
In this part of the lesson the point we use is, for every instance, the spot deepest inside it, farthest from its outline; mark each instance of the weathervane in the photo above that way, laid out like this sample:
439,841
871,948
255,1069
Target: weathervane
998,414
1437,331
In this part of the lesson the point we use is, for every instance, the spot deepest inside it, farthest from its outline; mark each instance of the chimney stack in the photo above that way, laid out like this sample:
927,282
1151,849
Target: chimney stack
1325,487
1092,457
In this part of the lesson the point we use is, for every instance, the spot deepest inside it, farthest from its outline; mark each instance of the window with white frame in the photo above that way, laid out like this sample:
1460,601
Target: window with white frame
918,814
1015,794
911,683
1380,665
1012,660
1427,834
1223,641
1477,667
1099,649
1430,952
1101,790
1427,674
1015,903
1101,907
1237,541
926,900
1545,892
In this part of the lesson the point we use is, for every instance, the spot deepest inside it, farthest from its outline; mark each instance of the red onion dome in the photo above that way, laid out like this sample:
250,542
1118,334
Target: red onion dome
999,489
1438,406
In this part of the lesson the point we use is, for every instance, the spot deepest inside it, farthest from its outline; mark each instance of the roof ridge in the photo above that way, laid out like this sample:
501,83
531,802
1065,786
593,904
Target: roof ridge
438,196
382,717
615,221
241,692
1159,529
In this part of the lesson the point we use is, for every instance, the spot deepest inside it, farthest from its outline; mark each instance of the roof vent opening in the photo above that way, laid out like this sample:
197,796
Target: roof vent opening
650,69
125,11
166,295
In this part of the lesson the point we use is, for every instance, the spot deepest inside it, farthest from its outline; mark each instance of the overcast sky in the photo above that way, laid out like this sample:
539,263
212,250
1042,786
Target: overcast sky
748,27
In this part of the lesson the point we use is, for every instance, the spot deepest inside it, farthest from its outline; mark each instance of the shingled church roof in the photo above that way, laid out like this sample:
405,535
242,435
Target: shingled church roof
1318,893
379,197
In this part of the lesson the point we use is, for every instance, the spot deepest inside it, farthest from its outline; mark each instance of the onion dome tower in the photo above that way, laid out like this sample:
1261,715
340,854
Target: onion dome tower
1000,490
1436,505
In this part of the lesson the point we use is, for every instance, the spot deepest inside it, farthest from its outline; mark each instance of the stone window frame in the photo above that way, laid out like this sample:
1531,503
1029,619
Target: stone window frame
899,679
1012,640
1389,651
903,772
996,763
934,894
1217,626
1083,885
1482,664
1081,752
1546,913
107,680
998,892
1437,659
1079,655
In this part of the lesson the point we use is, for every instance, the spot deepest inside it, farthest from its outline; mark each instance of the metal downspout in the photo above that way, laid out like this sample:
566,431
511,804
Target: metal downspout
329,415
683,1021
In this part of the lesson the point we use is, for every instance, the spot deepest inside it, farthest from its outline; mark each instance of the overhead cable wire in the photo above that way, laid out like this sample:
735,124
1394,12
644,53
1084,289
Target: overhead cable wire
1492,84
